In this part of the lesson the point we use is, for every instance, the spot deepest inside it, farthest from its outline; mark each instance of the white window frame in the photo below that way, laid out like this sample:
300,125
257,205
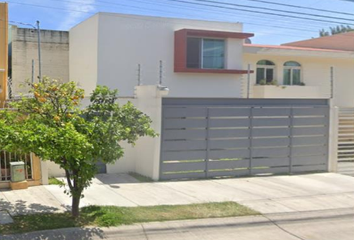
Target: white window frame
266,67
292,68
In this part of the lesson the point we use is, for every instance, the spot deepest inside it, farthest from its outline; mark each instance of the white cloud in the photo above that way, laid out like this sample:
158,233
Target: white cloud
77,12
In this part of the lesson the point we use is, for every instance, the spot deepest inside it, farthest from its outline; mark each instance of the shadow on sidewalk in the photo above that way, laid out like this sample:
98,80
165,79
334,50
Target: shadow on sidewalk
62,234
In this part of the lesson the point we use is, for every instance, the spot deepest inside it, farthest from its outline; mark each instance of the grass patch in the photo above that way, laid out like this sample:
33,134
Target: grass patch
140,178
54,181
107,216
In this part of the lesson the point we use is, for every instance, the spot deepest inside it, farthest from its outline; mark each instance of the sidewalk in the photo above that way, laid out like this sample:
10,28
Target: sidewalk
318,225
277,194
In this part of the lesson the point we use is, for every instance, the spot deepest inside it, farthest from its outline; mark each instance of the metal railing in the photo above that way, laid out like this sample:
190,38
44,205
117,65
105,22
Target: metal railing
6,158
346,134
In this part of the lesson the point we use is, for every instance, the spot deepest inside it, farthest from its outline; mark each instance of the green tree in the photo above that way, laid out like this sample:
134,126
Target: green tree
52,125
335,30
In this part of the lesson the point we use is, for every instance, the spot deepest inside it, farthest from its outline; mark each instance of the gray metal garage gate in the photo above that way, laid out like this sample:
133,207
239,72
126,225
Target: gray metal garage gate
203,138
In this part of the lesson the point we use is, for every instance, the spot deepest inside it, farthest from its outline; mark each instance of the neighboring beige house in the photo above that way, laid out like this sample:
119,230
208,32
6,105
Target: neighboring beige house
301,73
23,48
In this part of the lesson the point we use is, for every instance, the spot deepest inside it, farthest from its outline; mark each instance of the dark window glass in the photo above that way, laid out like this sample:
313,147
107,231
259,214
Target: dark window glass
269,75
213,53
194,52
260,75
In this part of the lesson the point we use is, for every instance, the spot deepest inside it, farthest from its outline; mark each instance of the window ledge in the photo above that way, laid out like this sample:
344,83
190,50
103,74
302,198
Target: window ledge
220,71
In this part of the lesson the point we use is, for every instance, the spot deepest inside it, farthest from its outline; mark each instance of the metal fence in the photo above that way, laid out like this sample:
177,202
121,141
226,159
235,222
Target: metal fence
6,158
346,135
215,138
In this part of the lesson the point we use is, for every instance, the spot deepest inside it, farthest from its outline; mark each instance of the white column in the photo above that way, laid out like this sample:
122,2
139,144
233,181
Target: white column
333,138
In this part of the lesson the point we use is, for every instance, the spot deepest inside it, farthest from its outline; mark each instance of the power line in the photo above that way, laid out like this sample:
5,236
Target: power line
301,7
259,12
64,9
274,10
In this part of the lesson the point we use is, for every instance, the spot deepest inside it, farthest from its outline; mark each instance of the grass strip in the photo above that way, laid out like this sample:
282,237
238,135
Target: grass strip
109,216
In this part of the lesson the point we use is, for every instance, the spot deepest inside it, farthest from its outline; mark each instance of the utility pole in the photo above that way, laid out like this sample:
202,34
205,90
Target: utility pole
32,77
39,53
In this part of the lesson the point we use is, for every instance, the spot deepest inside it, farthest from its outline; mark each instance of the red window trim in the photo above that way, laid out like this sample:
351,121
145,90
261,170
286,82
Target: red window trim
180,64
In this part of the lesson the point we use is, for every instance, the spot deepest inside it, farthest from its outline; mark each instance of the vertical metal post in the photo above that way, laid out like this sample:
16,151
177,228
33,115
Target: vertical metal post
332,82
248,80
160,73
251,140
32,76
207,144
139,75
39,53
291,118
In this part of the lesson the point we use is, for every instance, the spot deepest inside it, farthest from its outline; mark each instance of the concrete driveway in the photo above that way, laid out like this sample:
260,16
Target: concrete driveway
277,194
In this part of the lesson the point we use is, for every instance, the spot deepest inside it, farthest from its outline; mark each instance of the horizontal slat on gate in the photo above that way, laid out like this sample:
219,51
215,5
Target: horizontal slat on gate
310,121
184,134
271,142
267,162
218,154
314,168
213,123
271,112
309,151
310,111
179,167
228,133
186,123
309,160
237,173
321,140
270,152
172,112
190,155
273,170
183,175
229,112
231,143
270,132
270,122
308,131
184,145
212,165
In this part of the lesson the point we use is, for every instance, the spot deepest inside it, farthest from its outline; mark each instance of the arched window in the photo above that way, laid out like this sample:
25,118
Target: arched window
292,73
265,71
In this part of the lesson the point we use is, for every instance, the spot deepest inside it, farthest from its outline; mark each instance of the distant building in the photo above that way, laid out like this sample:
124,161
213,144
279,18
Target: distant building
23,48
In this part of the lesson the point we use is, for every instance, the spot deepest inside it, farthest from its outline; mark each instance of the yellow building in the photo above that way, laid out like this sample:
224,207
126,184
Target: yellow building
3,51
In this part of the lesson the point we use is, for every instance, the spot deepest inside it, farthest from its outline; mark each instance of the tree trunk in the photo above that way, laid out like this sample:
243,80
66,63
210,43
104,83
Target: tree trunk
75,206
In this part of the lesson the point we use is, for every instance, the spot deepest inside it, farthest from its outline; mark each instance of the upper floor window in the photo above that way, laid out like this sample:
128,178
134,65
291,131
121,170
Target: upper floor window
265,71
292,73
205,53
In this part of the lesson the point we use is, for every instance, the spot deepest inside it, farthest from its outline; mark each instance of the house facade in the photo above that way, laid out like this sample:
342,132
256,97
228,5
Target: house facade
180,71
221,107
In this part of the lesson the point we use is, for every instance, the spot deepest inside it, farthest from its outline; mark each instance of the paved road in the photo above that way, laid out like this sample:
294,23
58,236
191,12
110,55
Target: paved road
317,225
277,194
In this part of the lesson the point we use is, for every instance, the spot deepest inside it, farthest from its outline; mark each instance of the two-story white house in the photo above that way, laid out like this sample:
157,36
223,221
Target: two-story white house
222,107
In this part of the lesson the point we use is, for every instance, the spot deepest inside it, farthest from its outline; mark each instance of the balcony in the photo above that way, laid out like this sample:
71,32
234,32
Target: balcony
282,91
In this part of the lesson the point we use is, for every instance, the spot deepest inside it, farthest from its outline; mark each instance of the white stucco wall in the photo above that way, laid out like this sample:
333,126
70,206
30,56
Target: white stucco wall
315,73
124,41
83,40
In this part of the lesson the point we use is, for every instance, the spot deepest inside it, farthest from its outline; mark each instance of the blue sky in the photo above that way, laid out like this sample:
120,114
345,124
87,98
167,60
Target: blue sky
63,14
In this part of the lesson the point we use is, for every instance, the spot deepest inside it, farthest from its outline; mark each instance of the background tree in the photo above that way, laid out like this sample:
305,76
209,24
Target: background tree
54,127
336,30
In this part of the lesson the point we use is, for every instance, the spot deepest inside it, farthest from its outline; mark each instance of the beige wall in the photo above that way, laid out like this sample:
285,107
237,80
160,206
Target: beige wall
24,48
315,73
